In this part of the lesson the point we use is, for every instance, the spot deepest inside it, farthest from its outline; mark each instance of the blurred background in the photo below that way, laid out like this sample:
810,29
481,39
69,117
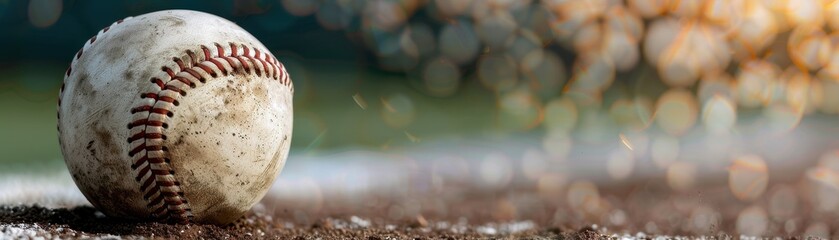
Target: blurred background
661,116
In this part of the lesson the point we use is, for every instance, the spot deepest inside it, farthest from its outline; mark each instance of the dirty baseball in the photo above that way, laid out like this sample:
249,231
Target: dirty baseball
175,116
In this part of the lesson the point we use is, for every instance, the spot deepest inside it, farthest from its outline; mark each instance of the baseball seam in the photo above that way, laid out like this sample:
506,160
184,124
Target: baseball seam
150,162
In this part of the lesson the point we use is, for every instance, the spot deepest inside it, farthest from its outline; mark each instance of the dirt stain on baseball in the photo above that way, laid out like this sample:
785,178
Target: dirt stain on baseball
92,150
106,137
115,54
84,84
128,75
173,21
219,210
277,158
260,92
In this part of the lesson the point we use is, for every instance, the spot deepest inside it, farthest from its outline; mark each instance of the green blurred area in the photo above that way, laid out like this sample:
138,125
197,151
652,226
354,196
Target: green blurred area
337,106
29,139
28,136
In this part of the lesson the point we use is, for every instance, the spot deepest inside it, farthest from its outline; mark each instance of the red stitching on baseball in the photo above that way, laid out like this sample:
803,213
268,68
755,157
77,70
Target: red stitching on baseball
140,135
173,201
159,210
207,69
196,75
148,181
146,122
219,49
245,64
165,198
156,200
185,81
163,172
233,50
176,89
141,174
180,63
158,82
214,61
232,61
168,71
264,65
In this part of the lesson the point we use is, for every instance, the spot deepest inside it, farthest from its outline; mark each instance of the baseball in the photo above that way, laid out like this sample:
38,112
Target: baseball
175,116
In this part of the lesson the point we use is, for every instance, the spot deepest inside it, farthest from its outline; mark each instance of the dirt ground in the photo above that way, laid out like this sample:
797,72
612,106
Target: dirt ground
84,222
427,201
641,212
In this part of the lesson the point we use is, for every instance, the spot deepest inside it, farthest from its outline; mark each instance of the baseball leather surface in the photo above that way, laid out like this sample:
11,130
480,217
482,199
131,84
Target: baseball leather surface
175,116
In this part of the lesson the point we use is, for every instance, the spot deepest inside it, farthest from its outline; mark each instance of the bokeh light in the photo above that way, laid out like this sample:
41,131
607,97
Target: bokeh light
496,171
452,8
805,12
621,163
809,46
459,42
660,34
557,144
676,112
756,83
783,203
332,15
593,73
544,72
551,186
719,115
648,8
685,8
697,48
534,163
587,38
704,219
496,30
721,84
441,77
44,13
418,40
498,72
748,177
398,110
560,115
817,230
722,12
681,175
621,48
519,109
300,8
752,221
664,150
584,198
802,93
756,29
782,118
831,10
631,115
